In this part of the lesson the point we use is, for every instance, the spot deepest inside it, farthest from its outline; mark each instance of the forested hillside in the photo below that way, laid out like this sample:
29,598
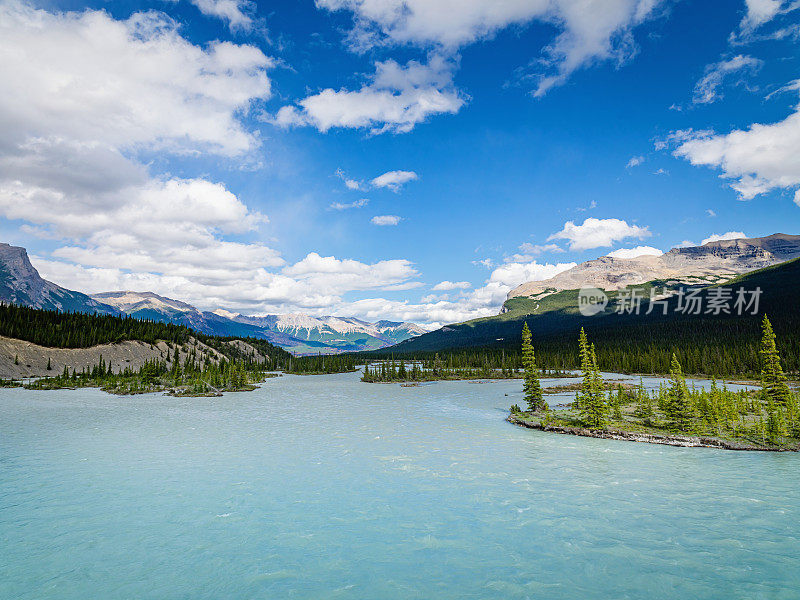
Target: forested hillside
724,344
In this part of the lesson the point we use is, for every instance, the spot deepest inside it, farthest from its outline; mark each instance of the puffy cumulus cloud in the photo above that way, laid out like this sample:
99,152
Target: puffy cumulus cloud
707,90
635,252
88,78
587,31
596,233
173,211
758,159
396,99
351,274
730,235
510,275
386,220
446,286
234,12
394,180
239,277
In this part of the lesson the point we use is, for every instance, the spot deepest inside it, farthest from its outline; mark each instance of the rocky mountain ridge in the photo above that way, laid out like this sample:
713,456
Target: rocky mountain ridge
20,283
707,264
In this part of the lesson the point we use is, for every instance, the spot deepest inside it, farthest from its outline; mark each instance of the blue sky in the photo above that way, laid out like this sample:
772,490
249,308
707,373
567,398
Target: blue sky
401,159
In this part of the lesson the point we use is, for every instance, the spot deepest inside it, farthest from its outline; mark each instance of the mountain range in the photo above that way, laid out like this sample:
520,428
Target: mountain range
20,283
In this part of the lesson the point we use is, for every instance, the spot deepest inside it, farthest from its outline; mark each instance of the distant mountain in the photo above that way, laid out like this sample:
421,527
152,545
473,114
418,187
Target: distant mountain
20,283
551,307
707,264
147,305
298,333
307,334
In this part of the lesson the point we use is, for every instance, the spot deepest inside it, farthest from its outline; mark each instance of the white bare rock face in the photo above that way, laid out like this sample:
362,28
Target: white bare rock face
710,263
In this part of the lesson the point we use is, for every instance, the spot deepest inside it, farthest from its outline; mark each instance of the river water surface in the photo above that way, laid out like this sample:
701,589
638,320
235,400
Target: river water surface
325,487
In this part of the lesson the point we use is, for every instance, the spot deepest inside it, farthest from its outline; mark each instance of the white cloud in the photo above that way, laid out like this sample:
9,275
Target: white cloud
536,249
587,31
635,252
396,99
710,213
445,286
234,12
481,302
510,275
104,85
757,159
707,90
635,161
486,262
394,180
760,12
595,233
350,184
716,237
347,205
530,251
797,197
386,220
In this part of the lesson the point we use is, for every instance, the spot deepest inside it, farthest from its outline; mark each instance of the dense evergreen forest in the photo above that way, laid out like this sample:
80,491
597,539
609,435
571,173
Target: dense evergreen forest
717,345
55,329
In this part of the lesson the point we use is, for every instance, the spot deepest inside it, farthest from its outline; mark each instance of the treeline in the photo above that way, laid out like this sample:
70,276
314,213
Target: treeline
321,364
730,350
448,368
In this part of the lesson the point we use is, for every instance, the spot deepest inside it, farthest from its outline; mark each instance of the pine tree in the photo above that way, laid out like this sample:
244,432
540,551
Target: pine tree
644,404
679,409
591,398
583,353
531,386
773,380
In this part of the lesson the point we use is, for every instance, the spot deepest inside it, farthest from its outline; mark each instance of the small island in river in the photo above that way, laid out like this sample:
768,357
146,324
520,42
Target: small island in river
766,418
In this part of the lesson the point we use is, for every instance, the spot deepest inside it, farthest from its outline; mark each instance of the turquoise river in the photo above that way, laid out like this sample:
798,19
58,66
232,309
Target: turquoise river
325,487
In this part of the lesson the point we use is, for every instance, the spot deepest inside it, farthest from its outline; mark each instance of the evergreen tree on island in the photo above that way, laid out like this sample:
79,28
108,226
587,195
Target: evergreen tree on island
531,386
774,388
773,379
590,399
679,409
